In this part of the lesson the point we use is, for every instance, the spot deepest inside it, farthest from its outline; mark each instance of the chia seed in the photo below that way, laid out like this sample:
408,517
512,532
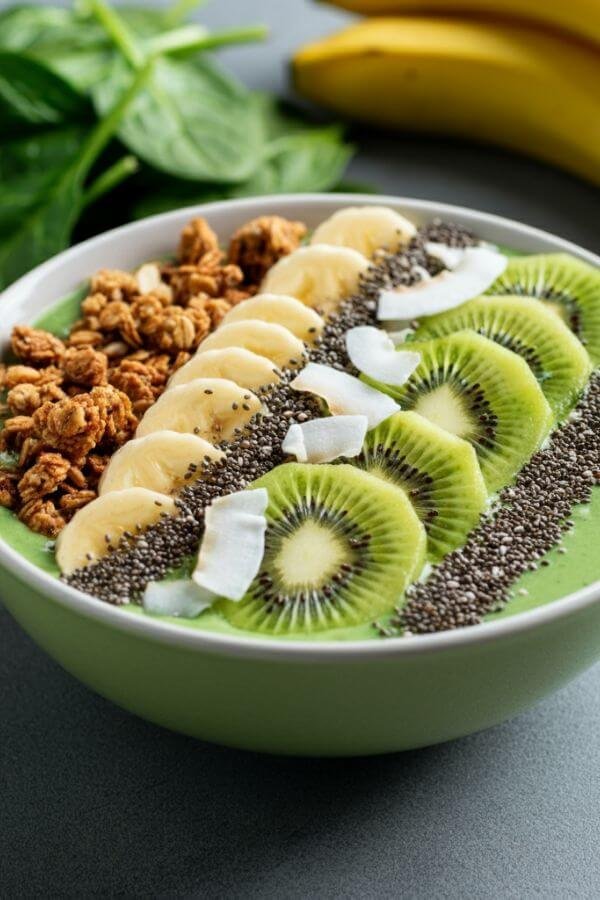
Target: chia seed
440,232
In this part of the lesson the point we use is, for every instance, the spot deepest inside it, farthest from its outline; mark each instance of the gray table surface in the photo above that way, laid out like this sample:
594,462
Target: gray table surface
94,802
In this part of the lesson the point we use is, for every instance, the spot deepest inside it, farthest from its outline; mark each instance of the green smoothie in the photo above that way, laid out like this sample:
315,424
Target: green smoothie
566,573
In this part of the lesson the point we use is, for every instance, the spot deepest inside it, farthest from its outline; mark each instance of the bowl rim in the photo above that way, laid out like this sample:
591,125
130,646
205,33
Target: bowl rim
158,630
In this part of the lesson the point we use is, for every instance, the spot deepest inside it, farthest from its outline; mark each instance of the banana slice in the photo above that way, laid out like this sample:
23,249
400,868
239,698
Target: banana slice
211,408
319,276
305,323
247,369
101,525
265,338
160,462
366,229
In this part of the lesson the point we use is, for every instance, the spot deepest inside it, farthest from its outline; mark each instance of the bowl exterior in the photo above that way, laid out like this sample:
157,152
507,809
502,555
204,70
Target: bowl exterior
333,703
347,707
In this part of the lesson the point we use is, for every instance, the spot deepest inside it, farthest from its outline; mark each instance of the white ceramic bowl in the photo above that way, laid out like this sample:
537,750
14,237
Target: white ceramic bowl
302,698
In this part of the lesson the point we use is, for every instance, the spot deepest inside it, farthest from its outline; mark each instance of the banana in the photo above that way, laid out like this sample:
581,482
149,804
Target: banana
305,323
102,523
500,82
212,408
581,17
265,338
366,229
319,276
160,462
247,369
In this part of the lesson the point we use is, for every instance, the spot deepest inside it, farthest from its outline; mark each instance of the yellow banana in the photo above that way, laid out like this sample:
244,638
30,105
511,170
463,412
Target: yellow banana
582,17
502,83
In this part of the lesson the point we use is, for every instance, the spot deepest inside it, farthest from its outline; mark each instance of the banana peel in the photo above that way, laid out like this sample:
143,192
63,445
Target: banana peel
502,83
580,17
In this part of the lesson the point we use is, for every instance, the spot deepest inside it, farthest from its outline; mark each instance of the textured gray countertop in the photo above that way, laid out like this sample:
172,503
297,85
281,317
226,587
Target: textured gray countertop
96,802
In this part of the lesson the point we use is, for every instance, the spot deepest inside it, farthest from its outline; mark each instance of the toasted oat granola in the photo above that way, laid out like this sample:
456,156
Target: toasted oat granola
197,239
260,243
70,404
36,347
44,477
42,516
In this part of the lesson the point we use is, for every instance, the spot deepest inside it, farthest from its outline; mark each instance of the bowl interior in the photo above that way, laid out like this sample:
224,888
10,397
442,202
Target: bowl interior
156,237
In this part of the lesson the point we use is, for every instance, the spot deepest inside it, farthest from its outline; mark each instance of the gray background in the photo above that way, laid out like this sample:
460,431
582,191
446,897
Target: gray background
96,802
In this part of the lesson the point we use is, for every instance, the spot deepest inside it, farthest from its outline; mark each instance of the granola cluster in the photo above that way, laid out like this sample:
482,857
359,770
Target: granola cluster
260,243
70,404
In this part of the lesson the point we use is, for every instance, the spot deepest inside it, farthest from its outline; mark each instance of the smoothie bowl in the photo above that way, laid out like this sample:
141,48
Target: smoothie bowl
320,479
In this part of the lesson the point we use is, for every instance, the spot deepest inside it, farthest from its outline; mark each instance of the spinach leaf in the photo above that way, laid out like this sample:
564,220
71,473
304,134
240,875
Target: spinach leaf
300,163
28,166
28,27
52,203
45,228
38,152
191,121
305,161
51,28
70,43
31,95
73,47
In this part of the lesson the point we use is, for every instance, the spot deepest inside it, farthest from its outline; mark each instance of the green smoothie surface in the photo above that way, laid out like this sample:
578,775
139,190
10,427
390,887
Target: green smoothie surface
566,573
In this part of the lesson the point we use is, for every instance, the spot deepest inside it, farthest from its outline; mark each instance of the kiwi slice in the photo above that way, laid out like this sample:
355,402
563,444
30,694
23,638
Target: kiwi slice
556,357
567,286
479,391
438,471
340,548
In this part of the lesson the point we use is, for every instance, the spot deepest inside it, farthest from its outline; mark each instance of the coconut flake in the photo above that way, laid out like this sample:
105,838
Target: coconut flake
253,501
477,270
175,598
372,351
321,440
345,395
233,544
